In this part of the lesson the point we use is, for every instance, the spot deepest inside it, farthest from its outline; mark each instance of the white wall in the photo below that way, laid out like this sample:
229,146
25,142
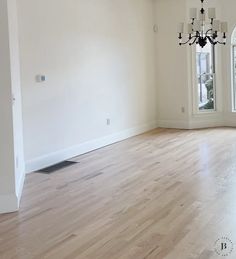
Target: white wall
12,169
228,11
98,57
172,65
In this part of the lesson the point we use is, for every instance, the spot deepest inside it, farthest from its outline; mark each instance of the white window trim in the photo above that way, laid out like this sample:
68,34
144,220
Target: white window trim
233,80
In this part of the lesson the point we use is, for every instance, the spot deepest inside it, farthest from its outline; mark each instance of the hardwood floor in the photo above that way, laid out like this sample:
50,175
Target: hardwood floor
165,194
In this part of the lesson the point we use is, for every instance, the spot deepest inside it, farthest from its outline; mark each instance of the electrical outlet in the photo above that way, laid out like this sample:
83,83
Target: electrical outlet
108,122
155,28
183,109
40,78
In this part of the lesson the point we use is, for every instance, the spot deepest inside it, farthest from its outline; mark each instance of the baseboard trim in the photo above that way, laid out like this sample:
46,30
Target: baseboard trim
19,188
56,157
205,124
230,119
195,123
230,124
173,124
11,202
8,203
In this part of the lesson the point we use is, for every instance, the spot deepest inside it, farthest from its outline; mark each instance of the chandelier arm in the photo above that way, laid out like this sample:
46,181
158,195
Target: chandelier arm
222,43
211,41
208,31
183,43
191,43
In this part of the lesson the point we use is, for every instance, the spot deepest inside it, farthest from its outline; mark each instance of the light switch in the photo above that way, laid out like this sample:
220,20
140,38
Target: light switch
40,78
155,28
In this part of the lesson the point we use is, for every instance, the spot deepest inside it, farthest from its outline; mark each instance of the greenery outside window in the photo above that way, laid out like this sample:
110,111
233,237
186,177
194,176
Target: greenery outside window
205,65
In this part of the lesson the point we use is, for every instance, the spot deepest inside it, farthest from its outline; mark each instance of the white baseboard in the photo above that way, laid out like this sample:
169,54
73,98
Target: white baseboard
230,119
173,124
230,124
8,203
11,202
205,124
19,188
61,155
206,120
194,123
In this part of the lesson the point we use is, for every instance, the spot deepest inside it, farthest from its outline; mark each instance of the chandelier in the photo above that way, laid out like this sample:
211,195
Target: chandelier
200,32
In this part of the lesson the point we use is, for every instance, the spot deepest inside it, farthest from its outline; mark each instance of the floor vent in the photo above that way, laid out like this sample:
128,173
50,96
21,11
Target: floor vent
56,167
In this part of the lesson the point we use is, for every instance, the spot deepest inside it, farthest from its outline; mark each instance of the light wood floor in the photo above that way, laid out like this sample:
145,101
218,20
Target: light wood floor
165,194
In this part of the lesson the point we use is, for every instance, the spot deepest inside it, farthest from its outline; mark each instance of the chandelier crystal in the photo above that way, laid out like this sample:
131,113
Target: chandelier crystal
200,31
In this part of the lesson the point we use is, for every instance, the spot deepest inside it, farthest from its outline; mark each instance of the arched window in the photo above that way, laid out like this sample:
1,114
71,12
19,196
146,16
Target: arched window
234,67
205,65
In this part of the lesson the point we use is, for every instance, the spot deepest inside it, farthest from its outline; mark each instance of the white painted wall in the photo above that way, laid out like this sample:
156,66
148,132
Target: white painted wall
228,11
172,65
98,57
12,169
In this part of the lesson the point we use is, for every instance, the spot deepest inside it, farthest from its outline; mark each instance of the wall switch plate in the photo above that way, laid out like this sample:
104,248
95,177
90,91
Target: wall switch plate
108,122
13,99
155,28
40,78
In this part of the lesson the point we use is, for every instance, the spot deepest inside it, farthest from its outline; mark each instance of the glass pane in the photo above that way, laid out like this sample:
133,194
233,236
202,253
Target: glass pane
234,74
234,38
205,77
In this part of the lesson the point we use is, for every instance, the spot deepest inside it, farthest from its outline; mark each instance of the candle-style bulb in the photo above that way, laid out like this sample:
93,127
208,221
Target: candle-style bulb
224,27
193,13
180,27
216,25
212,13
190,28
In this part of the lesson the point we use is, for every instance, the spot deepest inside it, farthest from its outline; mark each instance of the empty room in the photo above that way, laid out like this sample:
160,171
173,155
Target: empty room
117,129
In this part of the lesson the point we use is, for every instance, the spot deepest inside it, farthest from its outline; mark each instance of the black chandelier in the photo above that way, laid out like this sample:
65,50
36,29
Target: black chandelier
200,32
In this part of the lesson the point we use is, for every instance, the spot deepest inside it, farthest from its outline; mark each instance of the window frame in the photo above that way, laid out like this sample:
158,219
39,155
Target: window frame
233,72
